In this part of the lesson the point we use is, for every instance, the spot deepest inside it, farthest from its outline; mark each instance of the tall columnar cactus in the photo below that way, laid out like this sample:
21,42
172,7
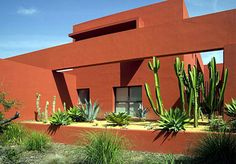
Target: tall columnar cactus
46,111
188,90
193,78
158,106
38,109
214,98
54,104
64,106
179,71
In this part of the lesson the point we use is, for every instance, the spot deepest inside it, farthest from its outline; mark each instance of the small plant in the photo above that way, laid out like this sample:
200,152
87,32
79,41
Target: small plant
37,141
103,148
216,148
76,114
173,120
218,125
119,119
231,109
60,118
14,134
142,112
90,110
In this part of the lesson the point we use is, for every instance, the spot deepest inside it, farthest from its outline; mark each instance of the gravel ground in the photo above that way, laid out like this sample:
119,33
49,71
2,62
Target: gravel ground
71,154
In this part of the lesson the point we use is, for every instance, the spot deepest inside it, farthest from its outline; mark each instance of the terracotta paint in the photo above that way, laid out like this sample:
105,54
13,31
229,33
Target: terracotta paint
107,57
140,140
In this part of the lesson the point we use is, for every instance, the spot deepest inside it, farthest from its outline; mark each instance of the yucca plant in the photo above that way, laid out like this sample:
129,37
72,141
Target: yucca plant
216,148
60,118
90,110
103,148
231,109
119,119
173,120
76,114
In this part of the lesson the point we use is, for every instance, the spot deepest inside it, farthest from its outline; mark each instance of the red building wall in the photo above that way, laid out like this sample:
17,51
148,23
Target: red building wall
107,61
22,82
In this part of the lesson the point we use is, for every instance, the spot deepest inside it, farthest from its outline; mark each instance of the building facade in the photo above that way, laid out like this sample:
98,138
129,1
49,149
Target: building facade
107,59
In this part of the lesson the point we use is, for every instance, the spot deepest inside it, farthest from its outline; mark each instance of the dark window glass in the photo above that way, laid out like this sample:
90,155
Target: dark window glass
83,95
128,99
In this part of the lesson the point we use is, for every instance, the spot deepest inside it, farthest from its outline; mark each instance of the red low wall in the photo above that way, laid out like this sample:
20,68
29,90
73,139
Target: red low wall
141,140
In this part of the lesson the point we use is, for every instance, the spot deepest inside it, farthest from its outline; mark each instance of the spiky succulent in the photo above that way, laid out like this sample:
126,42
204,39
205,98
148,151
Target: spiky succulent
119,119
173,120
231,108
60,118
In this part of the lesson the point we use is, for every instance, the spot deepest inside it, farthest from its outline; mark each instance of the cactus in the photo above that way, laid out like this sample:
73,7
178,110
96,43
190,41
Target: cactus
54,104
158,107
179,71
193,78
39,117
214,98
46,111
64,106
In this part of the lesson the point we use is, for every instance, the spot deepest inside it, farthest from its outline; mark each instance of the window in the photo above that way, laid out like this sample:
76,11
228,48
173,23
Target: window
128,99
83,95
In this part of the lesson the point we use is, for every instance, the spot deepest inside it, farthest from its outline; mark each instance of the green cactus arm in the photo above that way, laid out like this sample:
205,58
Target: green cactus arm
222,90
149,95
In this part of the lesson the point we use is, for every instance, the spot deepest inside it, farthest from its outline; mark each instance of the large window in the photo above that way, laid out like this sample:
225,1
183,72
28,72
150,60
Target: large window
128,99
83,95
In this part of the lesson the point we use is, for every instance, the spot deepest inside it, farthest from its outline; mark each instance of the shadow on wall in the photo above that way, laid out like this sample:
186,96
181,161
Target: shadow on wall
128,70
62,88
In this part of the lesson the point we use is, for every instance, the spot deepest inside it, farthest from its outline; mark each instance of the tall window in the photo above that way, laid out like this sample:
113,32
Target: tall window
127,99
83,95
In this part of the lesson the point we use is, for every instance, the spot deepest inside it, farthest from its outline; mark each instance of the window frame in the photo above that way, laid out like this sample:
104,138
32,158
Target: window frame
128,101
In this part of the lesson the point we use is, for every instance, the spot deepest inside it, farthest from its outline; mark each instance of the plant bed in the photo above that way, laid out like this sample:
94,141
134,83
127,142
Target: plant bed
140,138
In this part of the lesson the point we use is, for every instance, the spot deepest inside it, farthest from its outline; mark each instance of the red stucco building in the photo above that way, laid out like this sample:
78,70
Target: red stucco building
108,58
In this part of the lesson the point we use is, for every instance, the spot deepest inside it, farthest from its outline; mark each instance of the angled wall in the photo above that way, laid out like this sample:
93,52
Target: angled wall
22,82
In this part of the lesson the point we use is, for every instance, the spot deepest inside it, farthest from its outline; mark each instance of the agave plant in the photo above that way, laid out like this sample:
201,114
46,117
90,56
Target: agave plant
76,114
231,109
119,119
60,118
142,111
90,110
173,120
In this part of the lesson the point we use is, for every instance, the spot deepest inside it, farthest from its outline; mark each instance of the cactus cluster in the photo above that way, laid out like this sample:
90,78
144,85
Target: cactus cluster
191,87
43,115
213,99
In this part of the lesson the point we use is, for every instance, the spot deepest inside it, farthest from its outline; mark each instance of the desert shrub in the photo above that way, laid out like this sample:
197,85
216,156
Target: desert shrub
103,148
76,114
119,119
37,141
231,109
218,125
60,118
9,155
173,120
216,148
13,134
